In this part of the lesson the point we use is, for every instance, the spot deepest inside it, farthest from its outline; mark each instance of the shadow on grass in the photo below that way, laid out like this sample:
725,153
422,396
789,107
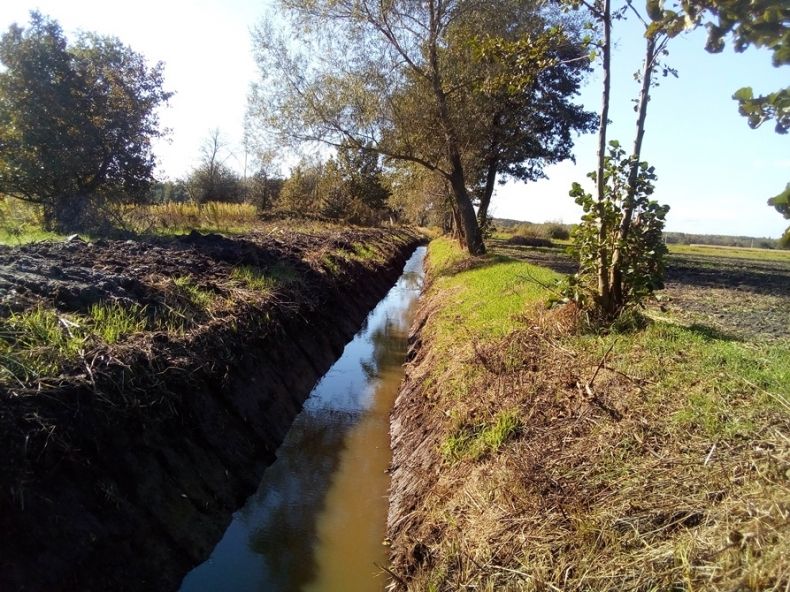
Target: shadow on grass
554,257
709,333
474,264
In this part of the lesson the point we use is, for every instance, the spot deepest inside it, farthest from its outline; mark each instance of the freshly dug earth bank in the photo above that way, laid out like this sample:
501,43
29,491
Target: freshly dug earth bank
120,471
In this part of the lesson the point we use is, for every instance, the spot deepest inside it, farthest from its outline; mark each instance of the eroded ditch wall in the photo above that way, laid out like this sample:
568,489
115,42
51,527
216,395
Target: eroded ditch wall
130,496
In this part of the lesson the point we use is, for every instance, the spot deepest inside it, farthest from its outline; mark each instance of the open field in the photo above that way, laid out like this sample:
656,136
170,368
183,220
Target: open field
731,252
530,455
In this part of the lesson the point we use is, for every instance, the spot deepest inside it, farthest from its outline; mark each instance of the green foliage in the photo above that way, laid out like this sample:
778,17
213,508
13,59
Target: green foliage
300,191
757,110
349,186
21,222
782,204
759,23
352,187
213,180
599,238
86,112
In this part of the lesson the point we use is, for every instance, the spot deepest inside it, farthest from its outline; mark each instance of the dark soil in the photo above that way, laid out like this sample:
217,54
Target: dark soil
122,472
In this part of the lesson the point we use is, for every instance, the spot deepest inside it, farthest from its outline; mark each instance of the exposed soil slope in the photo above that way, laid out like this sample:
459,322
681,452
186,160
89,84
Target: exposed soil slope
122,466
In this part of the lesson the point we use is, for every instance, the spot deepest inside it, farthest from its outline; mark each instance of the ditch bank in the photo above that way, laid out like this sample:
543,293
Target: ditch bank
530,453
177,368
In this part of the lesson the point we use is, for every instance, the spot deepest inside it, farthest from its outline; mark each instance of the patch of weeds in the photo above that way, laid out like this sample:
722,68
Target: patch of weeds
36,343
329,263
253,278
480,440
112,320
364,253
173,319
196,296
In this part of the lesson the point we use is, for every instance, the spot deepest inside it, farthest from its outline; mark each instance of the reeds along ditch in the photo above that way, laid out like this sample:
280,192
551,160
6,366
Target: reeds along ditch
533,455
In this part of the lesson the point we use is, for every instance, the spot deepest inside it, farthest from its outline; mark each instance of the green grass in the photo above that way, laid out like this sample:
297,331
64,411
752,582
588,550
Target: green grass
35,343
483,297
254,278
196,296
681,421
365,253
328,263
474,442
28,235
112,321
731,252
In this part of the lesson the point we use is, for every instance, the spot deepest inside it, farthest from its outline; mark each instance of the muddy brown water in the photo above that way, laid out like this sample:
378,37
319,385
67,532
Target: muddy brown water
317,522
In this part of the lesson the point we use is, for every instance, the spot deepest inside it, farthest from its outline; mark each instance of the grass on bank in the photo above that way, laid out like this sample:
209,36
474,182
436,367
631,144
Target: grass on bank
40,343
181,218
655,459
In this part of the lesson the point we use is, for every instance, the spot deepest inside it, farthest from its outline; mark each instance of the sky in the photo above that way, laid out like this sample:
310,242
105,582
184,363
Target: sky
713,170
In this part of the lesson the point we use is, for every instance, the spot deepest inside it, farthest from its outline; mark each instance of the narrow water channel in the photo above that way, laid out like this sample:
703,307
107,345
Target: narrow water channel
317,521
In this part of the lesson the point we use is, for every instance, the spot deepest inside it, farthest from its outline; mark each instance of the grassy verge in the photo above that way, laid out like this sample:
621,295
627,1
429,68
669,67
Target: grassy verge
650,459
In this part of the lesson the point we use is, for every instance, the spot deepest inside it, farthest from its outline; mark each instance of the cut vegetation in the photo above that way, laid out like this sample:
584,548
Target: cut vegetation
532,455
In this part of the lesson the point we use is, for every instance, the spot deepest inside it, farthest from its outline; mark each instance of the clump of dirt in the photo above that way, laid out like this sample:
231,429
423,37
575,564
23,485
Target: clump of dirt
123,463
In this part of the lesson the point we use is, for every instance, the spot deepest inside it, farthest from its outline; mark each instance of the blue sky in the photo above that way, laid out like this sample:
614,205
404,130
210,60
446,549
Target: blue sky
713,170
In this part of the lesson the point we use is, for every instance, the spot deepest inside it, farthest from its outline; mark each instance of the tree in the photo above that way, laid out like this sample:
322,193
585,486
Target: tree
301,190
362,182
619,240
782,204
525,116
213,180
76,122
263,189
397,78
419,197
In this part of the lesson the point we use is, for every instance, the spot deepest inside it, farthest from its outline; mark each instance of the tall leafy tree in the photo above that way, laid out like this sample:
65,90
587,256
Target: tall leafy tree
400,78
76,121
524,127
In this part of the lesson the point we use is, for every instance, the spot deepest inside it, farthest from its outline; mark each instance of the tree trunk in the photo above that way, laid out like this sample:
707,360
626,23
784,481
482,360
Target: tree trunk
465,212
488,191
463,203
67,214
604,288
628,204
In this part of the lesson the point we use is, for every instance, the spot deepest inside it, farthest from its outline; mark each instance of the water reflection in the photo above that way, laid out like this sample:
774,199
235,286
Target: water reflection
318,518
